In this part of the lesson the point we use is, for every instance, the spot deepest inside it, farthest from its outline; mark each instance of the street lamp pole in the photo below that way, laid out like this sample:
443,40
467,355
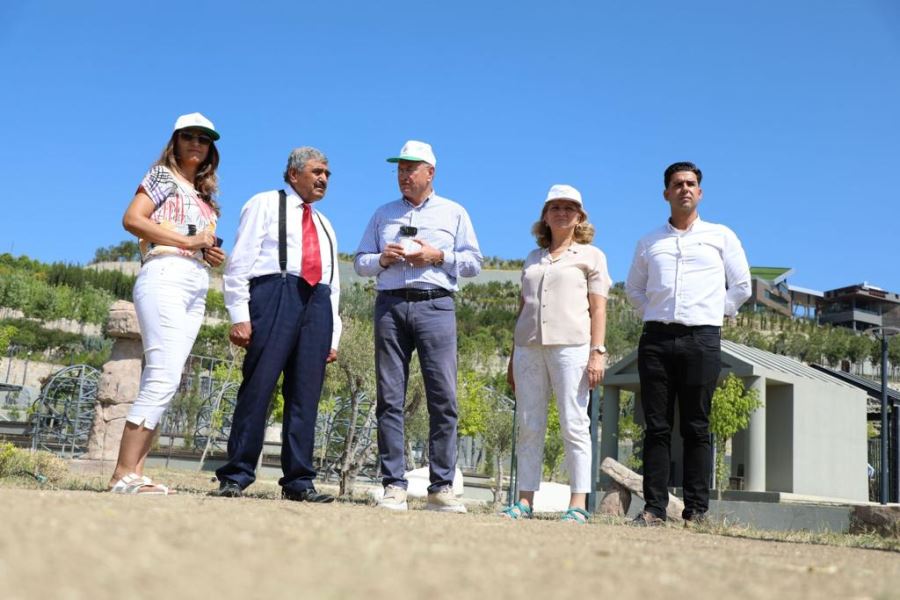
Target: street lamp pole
885,471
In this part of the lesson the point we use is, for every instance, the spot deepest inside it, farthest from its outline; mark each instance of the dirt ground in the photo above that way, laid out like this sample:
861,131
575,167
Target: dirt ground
82,544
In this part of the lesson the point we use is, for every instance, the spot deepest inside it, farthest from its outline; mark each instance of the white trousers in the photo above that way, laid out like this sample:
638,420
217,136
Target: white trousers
538,371
169,298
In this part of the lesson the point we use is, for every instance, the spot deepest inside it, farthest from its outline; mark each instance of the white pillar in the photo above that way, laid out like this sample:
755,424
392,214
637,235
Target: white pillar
609,431
755,468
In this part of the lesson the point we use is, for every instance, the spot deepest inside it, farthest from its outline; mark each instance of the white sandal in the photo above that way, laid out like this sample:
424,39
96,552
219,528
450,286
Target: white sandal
134,483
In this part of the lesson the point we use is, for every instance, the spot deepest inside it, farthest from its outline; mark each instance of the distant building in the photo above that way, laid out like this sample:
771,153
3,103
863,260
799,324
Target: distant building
860,307
772,293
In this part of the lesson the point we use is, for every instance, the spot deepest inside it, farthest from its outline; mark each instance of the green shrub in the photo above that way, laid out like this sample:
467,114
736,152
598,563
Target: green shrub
25,464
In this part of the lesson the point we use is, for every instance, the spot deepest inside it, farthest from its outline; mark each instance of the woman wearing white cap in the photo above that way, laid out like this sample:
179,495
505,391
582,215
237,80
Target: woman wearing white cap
558,346
174,213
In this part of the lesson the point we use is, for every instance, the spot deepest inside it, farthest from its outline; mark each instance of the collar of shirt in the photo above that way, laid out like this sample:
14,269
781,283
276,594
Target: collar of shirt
422,205
295,200
574,248
696,226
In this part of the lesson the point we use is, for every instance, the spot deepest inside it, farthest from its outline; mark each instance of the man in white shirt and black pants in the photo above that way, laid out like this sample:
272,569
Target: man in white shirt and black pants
282,290
684,277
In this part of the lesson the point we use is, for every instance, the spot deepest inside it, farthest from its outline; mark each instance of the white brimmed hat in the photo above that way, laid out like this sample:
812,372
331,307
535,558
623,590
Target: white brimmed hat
416,151
197,121
564,192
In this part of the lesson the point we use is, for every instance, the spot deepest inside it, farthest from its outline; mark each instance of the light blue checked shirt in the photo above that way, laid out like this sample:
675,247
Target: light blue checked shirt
442,223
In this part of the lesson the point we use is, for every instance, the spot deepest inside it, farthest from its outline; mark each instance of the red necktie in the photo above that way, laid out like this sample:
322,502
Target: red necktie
311,268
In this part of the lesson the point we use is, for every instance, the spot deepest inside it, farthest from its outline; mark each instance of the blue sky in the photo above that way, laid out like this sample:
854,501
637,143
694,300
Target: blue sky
792,110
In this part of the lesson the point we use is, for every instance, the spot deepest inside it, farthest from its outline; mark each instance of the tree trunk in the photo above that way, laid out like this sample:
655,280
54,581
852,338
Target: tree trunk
498,480
410,457
347,454
721,482
348,480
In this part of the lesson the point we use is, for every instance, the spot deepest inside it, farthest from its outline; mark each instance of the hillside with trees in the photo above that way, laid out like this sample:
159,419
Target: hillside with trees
40,293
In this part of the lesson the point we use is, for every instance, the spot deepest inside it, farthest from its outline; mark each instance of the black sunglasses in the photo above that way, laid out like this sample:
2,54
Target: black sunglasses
187,136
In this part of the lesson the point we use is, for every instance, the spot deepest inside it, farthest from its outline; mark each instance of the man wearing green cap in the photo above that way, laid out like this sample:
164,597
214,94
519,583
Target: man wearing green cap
417,247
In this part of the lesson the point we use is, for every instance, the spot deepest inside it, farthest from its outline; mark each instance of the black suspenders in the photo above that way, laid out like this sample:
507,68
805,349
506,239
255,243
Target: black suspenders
282,232
282,237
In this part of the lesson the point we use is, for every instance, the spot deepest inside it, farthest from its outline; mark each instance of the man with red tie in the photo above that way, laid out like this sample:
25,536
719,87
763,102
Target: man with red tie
282,290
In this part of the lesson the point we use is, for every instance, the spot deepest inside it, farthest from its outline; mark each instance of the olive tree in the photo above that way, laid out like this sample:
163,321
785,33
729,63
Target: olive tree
732,406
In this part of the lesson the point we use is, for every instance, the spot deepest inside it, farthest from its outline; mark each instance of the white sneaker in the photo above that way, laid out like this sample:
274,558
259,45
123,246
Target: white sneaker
394,498
444,500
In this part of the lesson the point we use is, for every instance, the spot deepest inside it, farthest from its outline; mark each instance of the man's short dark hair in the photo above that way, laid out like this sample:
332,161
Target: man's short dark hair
682,166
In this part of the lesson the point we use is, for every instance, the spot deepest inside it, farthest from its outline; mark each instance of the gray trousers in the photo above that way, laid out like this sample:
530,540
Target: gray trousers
429,328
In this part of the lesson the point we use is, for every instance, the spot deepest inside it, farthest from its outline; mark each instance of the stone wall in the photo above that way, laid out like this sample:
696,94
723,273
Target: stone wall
29,373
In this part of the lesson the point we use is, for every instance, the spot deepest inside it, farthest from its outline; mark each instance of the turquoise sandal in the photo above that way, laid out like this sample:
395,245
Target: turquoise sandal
576,515
517,511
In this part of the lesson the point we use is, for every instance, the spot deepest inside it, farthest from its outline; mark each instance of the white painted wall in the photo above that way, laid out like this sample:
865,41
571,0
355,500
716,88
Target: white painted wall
830,450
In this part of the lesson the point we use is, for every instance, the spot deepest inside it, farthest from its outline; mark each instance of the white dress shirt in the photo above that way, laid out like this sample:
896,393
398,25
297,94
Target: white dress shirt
691,277
255,253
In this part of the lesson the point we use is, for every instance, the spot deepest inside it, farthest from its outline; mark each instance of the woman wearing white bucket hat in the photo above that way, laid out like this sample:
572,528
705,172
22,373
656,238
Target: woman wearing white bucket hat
558,346
174,213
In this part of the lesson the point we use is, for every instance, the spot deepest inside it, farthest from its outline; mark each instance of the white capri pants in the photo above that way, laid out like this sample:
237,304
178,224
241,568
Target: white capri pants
538,370
169,298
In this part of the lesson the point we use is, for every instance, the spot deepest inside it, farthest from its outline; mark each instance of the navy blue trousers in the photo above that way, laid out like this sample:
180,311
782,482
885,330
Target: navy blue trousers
427,327
292,327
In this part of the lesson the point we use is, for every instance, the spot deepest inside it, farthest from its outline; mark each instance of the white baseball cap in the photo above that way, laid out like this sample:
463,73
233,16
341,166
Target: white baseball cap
564,192
417,151
197,121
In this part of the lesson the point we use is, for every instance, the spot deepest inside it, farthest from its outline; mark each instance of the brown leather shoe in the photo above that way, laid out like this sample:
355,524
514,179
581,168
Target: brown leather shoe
647,519
695,519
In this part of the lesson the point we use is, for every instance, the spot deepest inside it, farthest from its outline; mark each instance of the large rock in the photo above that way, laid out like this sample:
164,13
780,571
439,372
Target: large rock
616,501
634,483
119,382
884,520
551,497
120,378
106,436
122,321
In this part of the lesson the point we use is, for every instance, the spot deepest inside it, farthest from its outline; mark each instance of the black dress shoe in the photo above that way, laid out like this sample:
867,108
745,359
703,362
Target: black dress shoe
309,495
227,489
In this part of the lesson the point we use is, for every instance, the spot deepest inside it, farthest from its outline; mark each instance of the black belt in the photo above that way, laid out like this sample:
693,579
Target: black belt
414,295
679,329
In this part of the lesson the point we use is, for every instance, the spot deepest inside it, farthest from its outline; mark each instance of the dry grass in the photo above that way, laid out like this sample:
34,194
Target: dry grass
19,467
82,545
869,541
